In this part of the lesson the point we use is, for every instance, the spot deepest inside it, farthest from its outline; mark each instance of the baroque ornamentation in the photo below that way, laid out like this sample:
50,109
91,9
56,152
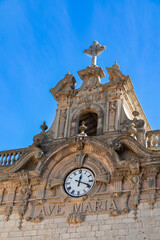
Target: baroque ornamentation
8,211
75,218
62,122
103,177
152,185
24,194
135,182
80,159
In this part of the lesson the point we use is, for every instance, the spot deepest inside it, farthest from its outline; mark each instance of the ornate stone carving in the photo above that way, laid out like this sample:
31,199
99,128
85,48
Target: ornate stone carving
113,209
79,142
30,212
8,211
79,139
75,218
135,127
80,159
41,137
134,167
117,186
54,183
64,87
135,182
125,203
152,184
24,195
103,177
118,146
23,178
115,75
112,115
62,122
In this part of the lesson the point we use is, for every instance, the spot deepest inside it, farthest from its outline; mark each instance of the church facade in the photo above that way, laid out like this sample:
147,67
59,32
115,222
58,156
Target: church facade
95,174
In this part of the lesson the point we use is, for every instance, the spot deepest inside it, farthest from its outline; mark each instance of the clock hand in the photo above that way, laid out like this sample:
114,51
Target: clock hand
88,185
79,180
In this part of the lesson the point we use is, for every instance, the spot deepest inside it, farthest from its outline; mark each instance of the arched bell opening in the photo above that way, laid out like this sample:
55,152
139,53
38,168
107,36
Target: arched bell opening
90,119
92,111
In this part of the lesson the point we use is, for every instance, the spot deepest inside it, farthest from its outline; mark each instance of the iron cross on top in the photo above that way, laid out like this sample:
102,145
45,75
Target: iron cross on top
93,51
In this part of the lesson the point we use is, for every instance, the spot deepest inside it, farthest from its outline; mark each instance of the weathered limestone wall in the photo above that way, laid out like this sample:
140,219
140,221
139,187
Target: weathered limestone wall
100,226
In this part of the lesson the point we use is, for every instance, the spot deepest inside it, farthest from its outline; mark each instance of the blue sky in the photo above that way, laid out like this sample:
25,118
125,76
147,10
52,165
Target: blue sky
40,41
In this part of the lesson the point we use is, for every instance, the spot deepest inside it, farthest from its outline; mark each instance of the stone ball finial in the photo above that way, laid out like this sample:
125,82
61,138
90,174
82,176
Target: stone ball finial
44,127
115,65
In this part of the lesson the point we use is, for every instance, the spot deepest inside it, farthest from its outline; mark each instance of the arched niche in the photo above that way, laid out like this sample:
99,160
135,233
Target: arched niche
90,119
89,109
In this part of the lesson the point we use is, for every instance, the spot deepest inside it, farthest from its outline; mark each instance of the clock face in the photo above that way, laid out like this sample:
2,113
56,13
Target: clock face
79,182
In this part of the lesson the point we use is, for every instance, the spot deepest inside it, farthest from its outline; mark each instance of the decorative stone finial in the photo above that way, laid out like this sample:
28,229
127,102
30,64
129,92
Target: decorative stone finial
82,128
93,51
44,127
135,113
115,65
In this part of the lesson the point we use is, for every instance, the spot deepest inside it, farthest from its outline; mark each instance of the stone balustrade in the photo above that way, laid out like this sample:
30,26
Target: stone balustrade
8,157
153,139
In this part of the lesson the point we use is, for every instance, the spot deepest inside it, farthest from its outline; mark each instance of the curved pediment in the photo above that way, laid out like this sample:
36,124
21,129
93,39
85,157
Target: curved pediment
91,146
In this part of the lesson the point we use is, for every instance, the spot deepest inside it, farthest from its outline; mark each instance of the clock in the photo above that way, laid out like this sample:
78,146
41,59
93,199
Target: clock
79,182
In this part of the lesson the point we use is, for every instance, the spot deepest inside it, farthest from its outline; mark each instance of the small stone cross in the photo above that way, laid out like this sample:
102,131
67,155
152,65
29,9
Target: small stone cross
93,51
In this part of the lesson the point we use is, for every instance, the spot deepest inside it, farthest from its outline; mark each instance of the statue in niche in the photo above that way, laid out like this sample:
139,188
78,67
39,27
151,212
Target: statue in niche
112,115
62,121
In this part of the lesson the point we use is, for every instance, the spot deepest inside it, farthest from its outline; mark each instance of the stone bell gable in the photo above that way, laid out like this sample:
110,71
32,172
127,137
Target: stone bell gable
114,104
94,174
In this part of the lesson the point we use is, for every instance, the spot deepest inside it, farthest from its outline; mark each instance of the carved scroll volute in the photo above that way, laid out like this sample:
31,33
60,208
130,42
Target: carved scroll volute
103,177
152,184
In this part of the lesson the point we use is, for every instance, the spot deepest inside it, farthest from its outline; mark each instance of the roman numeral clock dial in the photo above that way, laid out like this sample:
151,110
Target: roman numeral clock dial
79,182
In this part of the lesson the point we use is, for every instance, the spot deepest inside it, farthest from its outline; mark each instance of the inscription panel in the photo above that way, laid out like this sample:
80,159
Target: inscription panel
109,206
